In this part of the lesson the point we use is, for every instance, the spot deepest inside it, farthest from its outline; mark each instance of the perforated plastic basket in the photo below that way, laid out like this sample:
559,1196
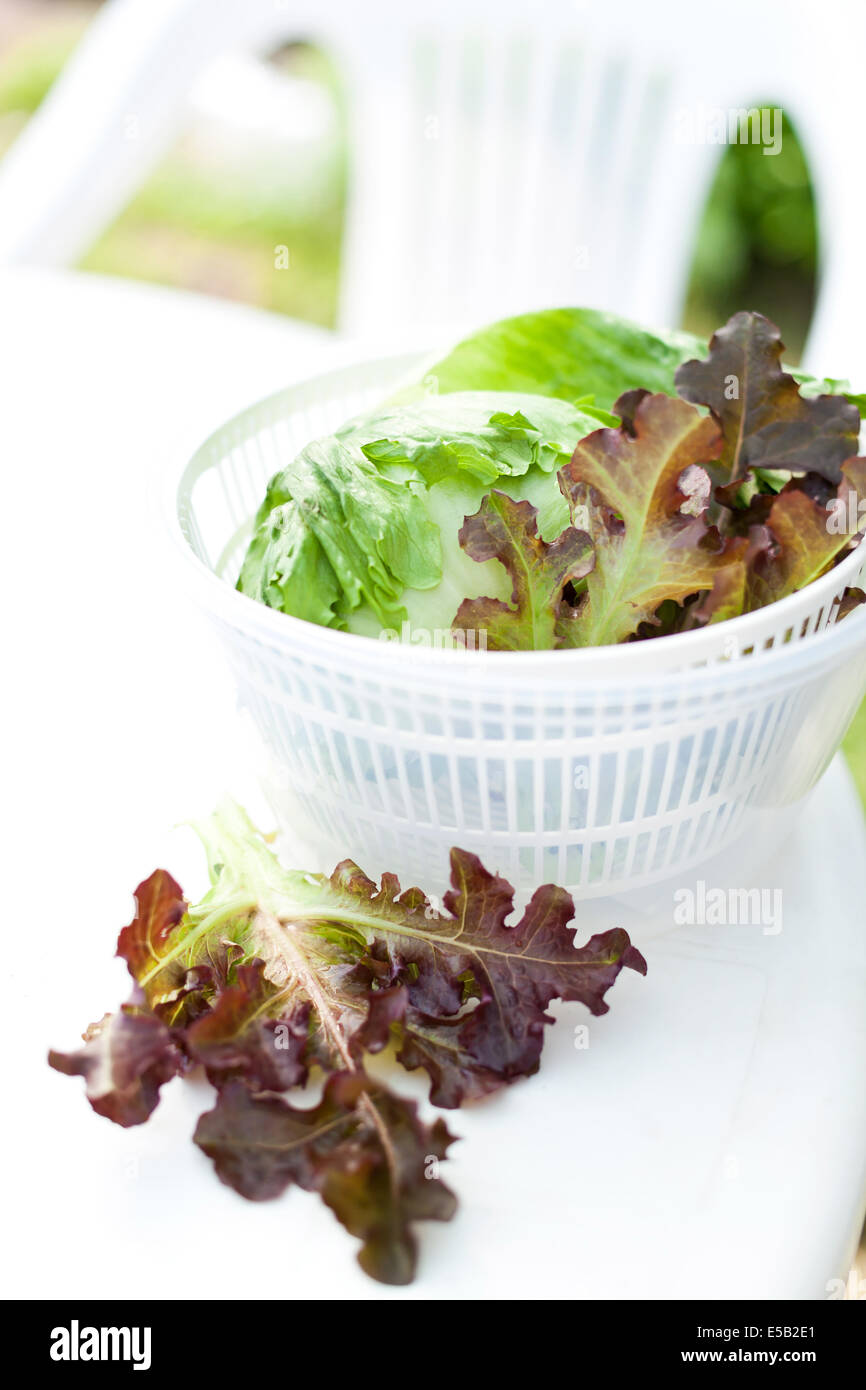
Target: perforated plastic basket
604,769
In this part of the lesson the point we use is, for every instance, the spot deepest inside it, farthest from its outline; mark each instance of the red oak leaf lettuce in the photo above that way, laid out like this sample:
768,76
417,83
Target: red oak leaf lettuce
125,1059
468,989
539,614
800,539
765,421
276,972
637,491
362,1148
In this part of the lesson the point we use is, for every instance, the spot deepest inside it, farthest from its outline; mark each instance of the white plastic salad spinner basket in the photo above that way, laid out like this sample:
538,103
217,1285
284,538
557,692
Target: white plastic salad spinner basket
604,770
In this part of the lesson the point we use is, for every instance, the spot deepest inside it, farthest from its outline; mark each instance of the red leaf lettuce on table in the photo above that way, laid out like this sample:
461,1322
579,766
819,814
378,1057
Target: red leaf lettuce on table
276,974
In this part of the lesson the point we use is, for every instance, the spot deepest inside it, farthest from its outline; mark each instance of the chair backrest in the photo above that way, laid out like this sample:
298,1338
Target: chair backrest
503,156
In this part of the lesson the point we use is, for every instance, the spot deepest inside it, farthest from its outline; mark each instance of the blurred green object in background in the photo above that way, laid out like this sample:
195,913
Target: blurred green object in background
757,244
223,216
227,212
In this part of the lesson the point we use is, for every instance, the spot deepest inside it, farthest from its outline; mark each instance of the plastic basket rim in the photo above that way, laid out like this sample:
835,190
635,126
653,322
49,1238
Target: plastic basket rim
690,654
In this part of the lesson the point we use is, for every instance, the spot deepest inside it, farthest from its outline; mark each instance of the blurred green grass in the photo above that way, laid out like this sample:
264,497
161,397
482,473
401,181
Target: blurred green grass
758,241
756,247
187,226
191,228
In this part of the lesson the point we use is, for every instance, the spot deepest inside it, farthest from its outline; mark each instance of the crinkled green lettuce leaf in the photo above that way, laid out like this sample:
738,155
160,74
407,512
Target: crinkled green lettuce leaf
373,532
484,434
356,529
286,567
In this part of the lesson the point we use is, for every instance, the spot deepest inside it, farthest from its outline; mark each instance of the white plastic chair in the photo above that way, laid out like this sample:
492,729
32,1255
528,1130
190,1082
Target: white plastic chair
503,156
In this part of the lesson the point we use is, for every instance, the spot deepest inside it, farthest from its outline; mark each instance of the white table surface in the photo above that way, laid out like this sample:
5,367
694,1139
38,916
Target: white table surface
710,1142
